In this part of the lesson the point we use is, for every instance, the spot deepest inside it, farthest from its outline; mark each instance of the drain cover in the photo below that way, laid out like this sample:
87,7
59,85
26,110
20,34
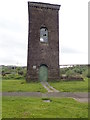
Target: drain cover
46,100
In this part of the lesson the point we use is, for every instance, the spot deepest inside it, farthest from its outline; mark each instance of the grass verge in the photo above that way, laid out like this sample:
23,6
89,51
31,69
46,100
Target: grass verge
21,86
26,107
71,86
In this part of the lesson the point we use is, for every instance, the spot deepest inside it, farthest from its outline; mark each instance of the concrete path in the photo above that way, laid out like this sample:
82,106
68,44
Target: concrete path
81,97
48,87
52,92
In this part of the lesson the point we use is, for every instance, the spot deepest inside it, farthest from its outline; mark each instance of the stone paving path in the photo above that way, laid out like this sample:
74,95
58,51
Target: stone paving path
81,97
48,87
52,92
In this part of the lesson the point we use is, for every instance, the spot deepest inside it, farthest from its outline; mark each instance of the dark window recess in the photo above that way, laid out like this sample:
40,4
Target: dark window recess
44,35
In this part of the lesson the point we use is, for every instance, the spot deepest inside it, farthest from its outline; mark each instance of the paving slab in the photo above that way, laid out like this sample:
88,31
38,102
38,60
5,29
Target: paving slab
81,97
31,94
49,88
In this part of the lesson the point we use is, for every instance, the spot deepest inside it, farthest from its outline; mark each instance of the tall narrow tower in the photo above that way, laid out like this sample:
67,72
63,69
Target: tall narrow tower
43,42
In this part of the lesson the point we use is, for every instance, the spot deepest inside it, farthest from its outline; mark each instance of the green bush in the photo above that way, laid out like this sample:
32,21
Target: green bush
70,73
12,76
9,72
78,70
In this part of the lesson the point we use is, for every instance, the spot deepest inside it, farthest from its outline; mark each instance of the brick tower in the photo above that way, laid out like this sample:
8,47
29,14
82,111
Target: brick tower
43,42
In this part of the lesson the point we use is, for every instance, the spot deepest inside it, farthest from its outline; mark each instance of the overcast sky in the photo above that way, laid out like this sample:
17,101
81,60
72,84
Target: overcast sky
73,31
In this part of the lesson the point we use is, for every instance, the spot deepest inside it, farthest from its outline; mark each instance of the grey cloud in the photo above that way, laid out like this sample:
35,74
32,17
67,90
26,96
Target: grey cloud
11,25
12,56
69,50
9,60
12,61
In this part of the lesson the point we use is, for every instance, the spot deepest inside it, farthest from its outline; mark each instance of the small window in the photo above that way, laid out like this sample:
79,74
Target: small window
44,35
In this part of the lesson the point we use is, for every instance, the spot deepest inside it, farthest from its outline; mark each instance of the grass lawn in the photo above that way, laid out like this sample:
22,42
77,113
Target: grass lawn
26,107
71,86
21,86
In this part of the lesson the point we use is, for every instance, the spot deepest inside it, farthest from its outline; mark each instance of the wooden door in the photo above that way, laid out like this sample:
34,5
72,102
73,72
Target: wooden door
43,73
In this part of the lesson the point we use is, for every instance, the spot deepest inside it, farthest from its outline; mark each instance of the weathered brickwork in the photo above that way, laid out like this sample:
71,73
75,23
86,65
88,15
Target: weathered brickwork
43,15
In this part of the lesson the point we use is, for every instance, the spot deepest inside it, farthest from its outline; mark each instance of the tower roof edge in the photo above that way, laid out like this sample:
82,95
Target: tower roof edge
44,5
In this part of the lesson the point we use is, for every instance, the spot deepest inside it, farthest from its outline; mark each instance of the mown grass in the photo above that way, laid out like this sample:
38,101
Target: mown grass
63,86
26,107
21,86
71,86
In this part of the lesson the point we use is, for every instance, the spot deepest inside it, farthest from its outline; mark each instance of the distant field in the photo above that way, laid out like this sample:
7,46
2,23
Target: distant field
21,86
71,86
26,107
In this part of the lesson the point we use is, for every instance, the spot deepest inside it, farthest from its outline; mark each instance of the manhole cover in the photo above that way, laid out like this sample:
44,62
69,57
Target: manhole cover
46,100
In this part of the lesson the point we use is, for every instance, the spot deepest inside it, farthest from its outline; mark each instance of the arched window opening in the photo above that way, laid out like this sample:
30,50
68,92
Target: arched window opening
44,35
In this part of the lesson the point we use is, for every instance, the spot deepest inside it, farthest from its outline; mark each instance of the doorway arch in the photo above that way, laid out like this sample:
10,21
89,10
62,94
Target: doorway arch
43,73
